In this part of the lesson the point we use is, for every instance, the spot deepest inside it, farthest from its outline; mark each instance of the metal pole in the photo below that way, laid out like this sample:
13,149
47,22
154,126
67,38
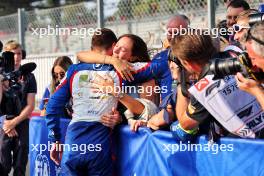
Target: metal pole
21,27
211,13
100,13
129,15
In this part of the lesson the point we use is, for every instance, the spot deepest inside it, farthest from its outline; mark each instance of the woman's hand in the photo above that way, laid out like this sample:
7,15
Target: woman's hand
156,121
135,124
104,85
125,68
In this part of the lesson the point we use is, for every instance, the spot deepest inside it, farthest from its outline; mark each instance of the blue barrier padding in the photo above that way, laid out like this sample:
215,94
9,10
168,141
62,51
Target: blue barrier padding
156,153
40,163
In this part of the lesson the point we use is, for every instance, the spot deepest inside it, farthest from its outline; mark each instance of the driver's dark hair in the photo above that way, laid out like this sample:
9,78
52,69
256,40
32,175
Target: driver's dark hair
104,38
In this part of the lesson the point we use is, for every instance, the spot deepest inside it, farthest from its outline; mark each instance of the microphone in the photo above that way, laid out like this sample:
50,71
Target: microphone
27,68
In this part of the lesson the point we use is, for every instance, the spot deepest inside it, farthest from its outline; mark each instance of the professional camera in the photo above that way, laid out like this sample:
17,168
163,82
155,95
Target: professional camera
254,18
11,100
226,65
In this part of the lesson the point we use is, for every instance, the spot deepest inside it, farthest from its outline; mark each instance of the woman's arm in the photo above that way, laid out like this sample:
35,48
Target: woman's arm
157,120
135,106
95,57
122,66
106,85
149,93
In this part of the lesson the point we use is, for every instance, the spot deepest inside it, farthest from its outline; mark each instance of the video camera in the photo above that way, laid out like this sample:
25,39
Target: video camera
227,65
7,69
11,101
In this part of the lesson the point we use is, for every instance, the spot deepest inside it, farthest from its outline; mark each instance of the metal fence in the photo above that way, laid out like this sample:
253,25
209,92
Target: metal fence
146,18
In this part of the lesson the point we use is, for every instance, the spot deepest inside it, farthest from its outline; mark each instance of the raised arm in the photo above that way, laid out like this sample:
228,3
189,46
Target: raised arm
122,66
95,57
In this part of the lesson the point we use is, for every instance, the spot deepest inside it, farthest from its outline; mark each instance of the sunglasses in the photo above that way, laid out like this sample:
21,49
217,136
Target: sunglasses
249,36
56,75
238,28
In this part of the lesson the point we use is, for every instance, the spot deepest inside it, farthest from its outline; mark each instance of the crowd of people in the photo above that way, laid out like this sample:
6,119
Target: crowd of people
196,85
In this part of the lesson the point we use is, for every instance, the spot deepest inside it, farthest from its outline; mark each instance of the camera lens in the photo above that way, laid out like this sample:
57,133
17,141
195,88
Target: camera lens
254,18
223,67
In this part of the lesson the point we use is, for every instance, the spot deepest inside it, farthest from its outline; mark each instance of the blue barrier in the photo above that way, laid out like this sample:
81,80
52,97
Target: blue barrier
145,153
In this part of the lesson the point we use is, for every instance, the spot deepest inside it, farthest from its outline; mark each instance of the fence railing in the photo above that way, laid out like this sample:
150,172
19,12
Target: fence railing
140,17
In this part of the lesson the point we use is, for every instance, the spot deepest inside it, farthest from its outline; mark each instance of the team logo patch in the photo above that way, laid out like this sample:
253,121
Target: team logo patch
98,66
201,84
83,80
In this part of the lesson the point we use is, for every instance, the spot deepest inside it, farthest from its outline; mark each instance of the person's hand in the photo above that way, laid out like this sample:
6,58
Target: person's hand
156,121
9,125
12,133
125,69
5,85
175,71
56,152
112,119
104,85
248,85
135,124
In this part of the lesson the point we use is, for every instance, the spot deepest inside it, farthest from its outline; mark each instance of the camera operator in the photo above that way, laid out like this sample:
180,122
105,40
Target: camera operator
14,134
255,48
212,102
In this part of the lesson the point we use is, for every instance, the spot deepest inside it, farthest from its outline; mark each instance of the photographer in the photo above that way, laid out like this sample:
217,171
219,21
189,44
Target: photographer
213,105
14,134
190,113
242,26
255,48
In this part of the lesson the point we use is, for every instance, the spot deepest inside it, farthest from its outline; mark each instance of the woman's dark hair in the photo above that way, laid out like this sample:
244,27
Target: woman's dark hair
139,48
62,61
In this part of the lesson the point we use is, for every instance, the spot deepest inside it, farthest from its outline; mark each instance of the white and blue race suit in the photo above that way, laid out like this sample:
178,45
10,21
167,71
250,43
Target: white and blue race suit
88,108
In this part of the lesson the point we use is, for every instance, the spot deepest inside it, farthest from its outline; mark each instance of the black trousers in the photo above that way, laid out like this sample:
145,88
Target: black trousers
14,151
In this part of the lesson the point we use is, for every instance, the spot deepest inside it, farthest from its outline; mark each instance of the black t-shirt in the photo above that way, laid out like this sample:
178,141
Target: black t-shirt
15,99
198,112
29,85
